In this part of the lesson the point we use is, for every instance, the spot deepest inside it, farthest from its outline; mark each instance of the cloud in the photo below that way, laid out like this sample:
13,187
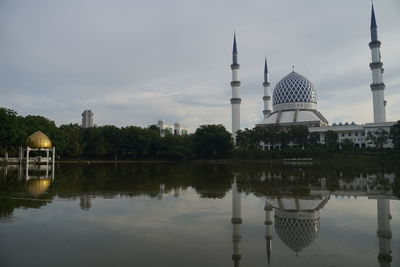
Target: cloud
133,62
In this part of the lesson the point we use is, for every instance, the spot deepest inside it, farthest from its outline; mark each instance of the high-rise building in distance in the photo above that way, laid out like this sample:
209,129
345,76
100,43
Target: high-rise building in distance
87,119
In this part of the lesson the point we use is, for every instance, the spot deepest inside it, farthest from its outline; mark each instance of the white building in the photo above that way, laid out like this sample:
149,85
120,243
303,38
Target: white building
294,101
175,129
87,119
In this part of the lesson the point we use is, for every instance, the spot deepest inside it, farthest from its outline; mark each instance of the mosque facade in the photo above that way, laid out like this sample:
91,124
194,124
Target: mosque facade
294,101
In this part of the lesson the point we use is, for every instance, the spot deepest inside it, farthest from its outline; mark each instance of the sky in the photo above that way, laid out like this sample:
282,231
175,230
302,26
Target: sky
133,62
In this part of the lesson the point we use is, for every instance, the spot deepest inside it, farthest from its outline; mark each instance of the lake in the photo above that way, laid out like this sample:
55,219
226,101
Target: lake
331,213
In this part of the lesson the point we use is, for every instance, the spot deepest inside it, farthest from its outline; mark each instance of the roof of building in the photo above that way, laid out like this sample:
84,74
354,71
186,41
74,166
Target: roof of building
294,88
38,140
291,116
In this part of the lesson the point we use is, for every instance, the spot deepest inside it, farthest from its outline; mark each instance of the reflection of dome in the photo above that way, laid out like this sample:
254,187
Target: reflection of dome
38,140
38,186
294,88
297,229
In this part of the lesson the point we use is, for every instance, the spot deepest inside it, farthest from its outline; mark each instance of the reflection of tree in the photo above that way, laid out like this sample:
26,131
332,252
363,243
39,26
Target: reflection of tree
208,180
7,205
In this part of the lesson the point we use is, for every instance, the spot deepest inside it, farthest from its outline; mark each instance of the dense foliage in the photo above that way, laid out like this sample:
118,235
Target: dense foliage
208,141
110,142
395,134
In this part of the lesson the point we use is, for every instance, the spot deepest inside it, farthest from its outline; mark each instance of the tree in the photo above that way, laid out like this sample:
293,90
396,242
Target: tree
331,140
93,143
11,132
347,145
313,139
212,141
395,134
73,136
274,135
177,147
378,139
298,134
249,139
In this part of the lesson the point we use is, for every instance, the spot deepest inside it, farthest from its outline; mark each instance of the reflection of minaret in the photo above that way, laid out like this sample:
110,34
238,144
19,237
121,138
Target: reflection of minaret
176,192
384,232
236,221
161,191
85,202
268,230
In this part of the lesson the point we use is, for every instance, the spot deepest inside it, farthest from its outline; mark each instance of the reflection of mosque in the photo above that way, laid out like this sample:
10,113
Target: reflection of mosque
296,220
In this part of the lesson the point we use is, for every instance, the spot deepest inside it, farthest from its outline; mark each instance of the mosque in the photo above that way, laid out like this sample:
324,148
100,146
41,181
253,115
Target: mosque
294,101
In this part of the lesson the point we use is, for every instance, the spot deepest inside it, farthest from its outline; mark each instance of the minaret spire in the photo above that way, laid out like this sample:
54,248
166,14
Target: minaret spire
235,84
266,78
377,86
267,95
234,50
374,28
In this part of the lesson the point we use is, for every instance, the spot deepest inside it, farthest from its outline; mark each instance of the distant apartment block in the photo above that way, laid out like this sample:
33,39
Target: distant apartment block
175,129
87,119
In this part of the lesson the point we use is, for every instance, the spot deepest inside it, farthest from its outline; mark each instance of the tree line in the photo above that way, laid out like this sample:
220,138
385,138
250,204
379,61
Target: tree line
296,140
111,142
207,142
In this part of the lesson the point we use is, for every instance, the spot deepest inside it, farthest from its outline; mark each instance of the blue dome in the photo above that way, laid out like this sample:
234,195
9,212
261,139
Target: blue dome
294,88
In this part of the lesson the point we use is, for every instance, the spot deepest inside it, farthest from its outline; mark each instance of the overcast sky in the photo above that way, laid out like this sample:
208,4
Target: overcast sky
136,61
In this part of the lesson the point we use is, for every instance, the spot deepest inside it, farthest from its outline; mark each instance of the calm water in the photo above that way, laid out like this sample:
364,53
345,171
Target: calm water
323,214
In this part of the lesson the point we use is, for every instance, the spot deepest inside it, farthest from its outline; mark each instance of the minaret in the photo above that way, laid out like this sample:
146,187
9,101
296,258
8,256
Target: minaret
236,222
268,229
235,84
377,86
267,95
384,232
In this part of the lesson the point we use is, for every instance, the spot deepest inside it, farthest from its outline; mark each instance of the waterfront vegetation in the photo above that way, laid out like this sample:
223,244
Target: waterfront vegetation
207,142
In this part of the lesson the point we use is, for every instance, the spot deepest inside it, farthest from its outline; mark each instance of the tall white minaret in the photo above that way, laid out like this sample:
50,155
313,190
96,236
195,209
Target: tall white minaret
236,222
377,86
384,232
267,94
235,84
268,228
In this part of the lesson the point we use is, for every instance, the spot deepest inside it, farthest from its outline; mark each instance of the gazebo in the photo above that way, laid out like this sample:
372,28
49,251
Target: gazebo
38,141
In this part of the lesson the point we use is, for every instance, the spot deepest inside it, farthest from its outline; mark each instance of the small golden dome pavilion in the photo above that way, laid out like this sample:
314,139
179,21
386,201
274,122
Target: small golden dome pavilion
38,140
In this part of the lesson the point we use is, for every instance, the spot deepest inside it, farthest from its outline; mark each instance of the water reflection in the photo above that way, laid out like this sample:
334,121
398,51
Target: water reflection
85,202
297,210
294,197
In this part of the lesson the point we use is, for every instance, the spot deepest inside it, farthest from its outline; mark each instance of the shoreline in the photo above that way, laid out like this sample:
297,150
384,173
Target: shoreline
291,160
